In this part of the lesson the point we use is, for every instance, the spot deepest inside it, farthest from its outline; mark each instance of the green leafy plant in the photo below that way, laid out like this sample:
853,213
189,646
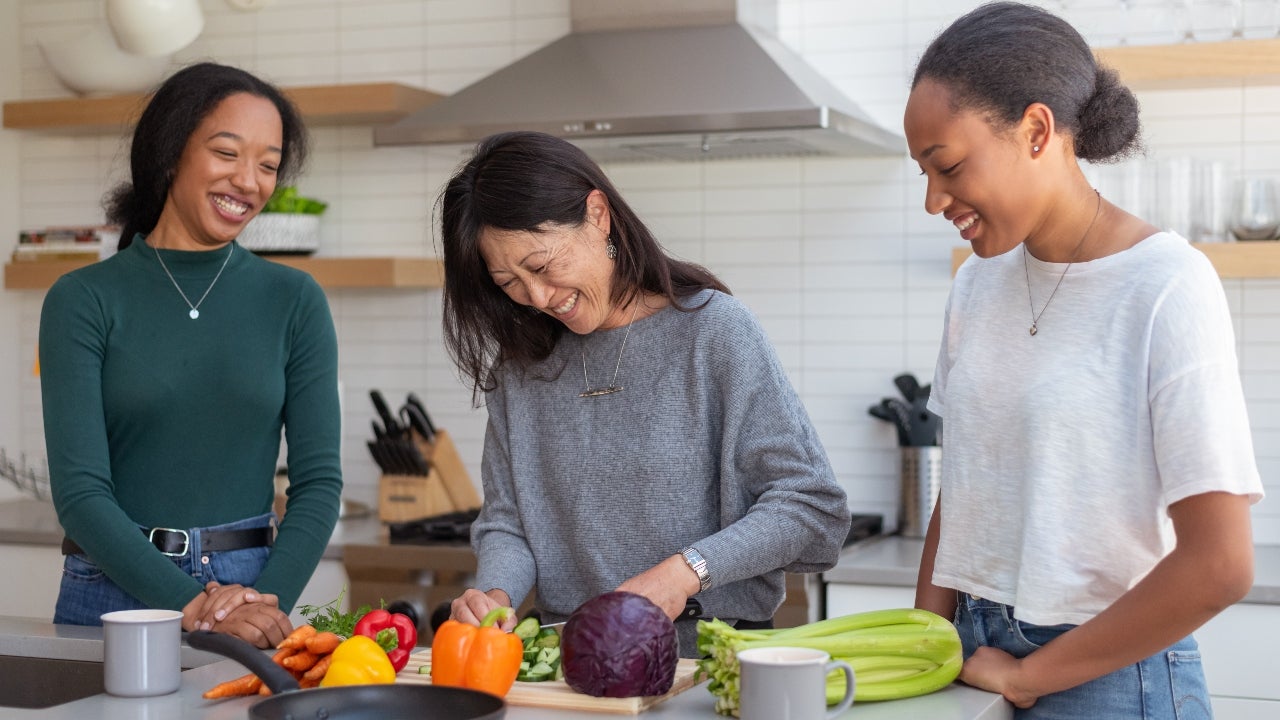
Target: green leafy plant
287,200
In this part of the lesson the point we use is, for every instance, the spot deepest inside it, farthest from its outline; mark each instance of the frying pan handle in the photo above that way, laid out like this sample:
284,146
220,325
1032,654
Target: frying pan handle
259,663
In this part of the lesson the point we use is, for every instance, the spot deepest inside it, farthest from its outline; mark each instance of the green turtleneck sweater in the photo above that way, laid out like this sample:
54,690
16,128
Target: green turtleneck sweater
152,418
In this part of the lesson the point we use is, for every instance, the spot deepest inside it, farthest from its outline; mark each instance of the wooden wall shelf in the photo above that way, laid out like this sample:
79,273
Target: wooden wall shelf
1195,64
1232,260
367,103
330,272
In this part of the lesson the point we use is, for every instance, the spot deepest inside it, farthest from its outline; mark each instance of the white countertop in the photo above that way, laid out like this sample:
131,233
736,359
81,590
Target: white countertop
895,560
31,638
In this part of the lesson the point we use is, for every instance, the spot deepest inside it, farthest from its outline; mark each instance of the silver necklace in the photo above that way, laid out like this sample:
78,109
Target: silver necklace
195,309
1035,317
613,386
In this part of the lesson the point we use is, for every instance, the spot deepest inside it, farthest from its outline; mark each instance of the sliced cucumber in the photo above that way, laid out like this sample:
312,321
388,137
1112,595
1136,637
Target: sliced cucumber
527,629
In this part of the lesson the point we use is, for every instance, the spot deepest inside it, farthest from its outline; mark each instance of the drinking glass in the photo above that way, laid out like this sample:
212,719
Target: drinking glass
1214,20
1255,211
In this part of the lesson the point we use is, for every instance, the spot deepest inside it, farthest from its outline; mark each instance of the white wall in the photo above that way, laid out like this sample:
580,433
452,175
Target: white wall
845,270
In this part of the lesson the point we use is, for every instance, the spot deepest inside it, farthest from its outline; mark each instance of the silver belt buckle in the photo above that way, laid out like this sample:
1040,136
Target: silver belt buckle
186,540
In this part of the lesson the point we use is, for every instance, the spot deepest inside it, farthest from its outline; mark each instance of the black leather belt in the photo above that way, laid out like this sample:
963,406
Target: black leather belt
177,542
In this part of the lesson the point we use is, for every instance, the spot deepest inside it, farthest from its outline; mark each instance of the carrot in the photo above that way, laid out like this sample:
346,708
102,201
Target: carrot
304,683
298,638
281,655
323,643
299,662
246,685
318,670
264,690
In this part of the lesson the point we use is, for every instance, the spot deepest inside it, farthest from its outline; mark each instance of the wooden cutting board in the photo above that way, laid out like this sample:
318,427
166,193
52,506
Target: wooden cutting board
557,694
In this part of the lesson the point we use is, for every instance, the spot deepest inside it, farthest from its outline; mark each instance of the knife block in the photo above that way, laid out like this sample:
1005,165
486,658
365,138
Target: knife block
443,457
447,487
409,497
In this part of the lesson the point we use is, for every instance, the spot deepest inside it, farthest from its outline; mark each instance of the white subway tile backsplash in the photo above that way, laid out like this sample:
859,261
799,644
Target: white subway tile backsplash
464,10
750,225
383,14
755,200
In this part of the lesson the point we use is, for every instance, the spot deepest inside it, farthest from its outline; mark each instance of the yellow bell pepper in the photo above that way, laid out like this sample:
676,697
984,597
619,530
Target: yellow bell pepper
359,661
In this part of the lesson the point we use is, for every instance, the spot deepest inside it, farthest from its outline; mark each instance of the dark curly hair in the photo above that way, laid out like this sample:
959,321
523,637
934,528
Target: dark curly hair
528,181
172,115
1004,56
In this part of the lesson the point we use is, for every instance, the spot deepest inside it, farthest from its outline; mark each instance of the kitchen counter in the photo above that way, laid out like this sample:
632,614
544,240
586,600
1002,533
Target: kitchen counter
33,639
894,560
35,522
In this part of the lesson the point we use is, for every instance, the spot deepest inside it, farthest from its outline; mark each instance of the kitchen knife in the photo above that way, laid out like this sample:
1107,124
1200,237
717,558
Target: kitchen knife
378,432
379,457
908,386
413,400
388,420
902,418
413,419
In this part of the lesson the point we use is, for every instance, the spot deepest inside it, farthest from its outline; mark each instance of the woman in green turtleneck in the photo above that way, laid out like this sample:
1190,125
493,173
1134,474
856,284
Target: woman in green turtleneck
168,371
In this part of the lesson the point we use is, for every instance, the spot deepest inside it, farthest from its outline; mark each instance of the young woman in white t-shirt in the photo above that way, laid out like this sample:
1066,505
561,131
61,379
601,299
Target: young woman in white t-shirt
1097,462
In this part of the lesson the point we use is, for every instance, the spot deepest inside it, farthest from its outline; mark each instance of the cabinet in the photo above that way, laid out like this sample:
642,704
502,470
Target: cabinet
1238,650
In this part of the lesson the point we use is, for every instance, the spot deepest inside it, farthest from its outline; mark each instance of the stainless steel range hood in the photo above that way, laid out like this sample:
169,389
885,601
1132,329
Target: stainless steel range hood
660,80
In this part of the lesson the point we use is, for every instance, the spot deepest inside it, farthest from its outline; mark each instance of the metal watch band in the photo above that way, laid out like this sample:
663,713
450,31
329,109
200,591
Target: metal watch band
698,564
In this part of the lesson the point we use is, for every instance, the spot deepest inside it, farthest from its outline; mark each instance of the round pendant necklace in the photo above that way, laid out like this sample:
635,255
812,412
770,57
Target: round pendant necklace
1035,317
613,385
195,309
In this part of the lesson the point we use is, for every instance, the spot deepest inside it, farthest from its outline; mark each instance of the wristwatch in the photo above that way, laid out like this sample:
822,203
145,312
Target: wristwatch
698,564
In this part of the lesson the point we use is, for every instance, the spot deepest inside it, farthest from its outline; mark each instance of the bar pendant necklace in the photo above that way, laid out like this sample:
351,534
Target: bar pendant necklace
613,387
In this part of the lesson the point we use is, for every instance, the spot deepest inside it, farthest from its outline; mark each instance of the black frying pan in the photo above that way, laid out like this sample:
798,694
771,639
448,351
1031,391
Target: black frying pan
351,702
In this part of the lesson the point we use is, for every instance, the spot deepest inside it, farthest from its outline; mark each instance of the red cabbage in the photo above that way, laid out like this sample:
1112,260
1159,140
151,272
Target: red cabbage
619,644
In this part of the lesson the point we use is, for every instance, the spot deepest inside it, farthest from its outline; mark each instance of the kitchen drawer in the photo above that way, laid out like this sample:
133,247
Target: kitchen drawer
1239,652
1225,708
845,599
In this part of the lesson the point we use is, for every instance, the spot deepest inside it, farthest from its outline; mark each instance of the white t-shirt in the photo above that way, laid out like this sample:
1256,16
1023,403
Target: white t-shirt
1062,452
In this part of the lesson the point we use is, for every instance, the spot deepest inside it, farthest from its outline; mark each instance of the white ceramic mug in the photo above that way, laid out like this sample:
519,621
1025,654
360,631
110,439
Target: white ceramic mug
141,652
789,683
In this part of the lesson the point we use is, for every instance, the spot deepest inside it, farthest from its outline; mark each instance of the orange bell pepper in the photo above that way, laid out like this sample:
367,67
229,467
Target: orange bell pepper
480,658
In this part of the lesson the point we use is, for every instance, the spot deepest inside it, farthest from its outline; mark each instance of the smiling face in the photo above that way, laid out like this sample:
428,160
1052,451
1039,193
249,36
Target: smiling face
979,178
227,172
560,270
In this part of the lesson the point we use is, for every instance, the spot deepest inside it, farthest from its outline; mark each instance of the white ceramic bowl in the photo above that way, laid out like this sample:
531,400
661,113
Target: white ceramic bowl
91,64
154,27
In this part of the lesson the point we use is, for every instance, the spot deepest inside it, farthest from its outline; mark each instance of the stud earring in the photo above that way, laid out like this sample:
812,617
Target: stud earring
611,250
1035,148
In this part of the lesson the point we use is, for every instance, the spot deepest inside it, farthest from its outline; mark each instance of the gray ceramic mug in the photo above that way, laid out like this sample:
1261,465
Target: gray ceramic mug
789,683
141,652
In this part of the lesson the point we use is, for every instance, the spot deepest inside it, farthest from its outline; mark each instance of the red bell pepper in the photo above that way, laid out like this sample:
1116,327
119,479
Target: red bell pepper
393,632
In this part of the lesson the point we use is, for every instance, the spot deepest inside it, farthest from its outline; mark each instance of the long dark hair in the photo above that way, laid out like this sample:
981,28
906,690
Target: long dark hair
172,115
1004,56
527,181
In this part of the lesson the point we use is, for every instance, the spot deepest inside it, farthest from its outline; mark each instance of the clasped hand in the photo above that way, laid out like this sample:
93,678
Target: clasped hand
240,611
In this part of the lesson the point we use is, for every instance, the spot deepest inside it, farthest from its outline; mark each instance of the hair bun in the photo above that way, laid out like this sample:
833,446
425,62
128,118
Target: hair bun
1109,124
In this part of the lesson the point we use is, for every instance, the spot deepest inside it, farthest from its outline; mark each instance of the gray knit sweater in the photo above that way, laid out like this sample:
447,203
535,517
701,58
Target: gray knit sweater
708,445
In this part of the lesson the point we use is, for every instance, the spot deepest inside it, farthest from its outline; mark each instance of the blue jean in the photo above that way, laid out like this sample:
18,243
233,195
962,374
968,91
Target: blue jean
86,591
1169,685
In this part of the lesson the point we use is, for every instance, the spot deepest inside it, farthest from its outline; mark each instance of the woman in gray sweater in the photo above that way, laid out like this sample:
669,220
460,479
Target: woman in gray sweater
655,447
